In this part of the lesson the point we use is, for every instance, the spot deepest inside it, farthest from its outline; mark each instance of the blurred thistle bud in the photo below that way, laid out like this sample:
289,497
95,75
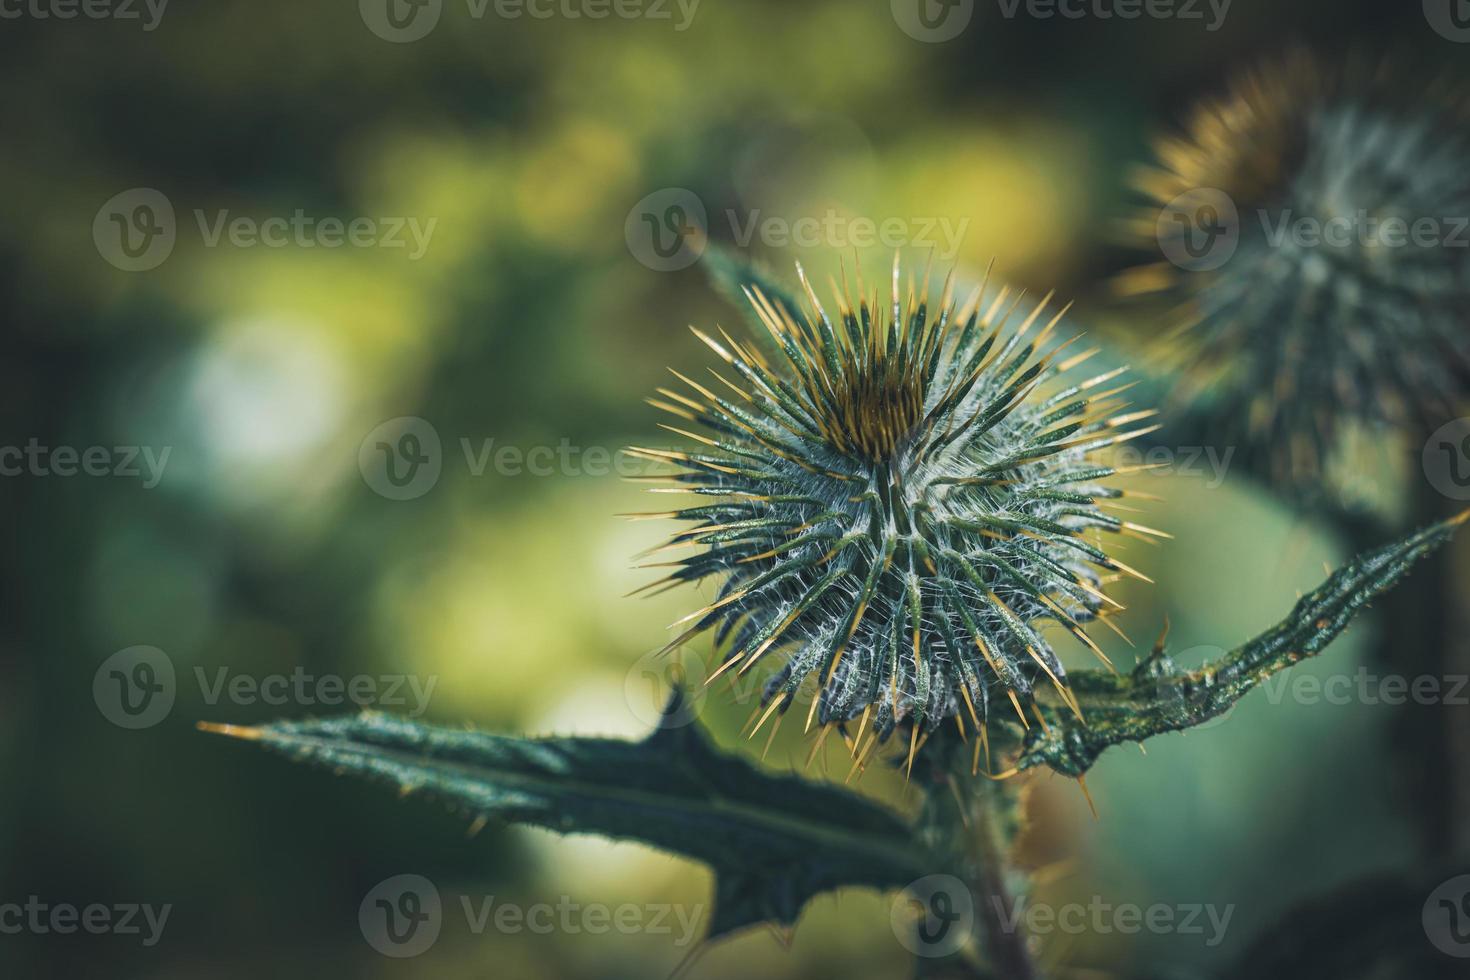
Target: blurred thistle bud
900,500
1315,231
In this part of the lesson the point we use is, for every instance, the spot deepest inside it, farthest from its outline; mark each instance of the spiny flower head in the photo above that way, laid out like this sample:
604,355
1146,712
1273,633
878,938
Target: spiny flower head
900,500
1346,294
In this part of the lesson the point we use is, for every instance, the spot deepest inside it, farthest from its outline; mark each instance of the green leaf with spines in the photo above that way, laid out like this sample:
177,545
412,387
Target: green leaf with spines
1158,697
773,841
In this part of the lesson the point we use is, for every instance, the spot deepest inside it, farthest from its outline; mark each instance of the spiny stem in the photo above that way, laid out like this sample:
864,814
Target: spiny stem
990,845
1157,697
974,822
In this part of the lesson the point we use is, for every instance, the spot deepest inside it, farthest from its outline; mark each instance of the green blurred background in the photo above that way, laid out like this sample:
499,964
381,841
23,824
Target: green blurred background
529,319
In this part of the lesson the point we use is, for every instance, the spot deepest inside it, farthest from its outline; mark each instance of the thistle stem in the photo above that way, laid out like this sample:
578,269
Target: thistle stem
974,821
1422,633
996,905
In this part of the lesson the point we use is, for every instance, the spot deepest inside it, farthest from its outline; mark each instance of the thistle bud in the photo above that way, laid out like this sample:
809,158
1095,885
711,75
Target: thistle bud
900,498
1316,226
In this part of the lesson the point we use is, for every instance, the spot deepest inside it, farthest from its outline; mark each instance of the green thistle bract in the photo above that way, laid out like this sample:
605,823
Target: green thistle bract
899,507
1345,297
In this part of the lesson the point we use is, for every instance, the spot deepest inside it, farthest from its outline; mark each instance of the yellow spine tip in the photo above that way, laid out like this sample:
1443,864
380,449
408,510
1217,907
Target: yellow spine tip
245,732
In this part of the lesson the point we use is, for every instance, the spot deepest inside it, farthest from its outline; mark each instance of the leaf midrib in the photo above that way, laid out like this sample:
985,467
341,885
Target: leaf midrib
861,845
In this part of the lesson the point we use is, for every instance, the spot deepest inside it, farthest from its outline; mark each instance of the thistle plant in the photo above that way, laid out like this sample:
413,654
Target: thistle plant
1313,223
900,502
